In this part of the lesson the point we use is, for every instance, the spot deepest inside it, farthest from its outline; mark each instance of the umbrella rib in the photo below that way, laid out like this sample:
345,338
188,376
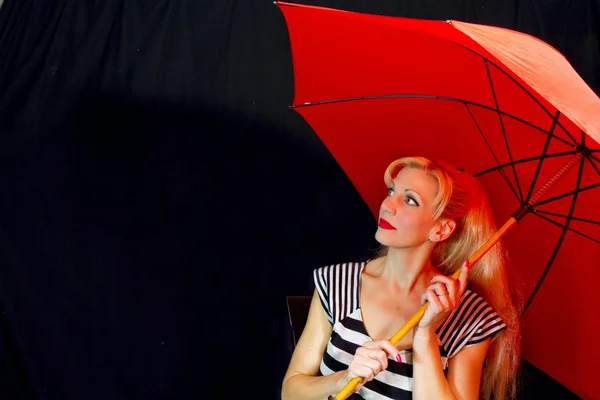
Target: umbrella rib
431,97
493,154
521,87
534,99
575,192
524,160
591,152
575,231
504,113
591,160
536,213
487,68
563,234
542,158
588,221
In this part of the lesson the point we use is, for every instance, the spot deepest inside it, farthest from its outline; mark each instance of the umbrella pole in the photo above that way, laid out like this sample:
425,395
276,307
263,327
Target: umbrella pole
517,216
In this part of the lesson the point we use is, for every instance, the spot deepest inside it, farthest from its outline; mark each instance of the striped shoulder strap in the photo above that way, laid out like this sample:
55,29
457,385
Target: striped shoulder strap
473,321
338,287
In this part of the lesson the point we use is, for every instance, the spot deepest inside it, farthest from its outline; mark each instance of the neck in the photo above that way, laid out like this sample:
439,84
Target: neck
408,269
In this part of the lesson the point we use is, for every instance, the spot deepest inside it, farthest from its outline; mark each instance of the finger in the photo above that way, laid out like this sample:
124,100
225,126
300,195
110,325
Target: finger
381,357
362,371
425,295
438,288
363,367
376,354
434,300
450,284
369,357
359,386
361,352
384,345
452,287
441,297
464,276
445,301
373,365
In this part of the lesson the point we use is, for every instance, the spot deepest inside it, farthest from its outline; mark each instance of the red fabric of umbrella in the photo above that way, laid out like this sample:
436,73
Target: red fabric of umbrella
500,104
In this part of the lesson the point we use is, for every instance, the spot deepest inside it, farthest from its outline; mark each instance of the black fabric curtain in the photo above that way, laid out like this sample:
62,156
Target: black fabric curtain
159,199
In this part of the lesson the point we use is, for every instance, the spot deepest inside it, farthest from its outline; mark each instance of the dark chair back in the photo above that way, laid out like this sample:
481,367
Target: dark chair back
298,307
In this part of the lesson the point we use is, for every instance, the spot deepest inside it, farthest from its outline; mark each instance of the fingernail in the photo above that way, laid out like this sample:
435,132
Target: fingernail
467,265
399,358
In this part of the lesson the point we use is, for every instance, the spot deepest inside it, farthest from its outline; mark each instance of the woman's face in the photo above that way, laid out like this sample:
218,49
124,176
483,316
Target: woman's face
406,215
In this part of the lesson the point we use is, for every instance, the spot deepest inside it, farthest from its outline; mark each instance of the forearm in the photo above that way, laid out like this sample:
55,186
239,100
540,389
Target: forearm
429,381
306,387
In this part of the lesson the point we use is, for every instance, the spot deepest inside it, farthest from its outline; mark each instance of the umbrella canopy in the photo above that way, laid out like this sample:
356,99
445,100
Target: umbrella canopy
504,106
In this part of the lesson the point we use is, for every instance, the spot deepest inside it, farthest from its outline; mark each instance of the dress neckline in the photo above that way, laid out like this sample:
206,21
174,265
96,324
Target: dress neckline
359,308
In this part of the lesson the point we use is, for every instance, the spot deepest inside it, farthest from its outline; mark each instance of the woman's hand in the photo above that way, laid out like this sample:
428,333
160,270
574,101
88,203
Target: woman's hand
369,359
443,296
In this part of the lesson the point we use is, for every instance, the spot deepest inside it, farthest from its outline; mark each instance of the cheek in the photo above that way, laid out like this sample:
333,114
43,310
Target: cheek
405,218
415,222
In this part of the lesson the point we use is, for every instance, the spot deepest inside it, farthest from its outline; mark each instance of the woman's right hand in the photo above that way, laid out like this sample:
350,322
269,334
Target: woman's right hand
369,360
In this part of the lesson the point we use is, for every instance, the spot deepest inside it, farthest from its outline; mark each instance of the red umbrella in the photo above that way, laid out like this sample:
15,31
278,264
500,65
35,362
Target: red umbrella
503,105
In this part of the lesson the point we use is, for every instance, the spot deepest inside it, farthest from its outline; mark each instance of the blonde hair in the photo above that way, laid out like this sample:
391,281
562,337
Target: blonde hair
461,199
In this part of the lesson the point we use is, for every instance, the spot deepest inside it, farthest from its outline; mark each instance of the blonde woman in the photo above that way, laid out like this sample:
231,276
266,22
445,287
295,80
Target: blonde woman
466,346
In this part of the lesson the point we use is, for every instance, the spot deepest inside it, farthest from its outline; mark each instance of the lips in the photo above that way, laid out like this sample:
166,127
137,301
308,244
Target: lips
383,224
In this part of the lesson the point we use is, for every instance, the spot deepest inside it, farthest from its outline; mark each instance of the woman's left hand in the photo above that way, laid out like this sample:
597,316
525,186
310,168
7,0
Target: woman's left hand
443,295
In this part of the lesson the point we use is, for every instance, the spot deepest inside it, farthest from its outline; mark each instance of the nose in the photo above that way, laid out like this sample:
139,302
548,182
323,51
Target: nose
389,204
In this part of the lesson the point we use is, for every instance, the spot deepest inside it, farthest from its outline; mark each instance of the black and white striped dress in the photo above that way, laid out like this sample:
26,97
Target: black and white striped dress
338,286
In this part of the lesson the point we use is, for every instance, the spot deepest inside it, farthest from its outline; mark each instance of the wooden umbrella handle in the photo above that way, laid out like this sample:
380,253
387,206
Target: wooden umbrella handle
414,320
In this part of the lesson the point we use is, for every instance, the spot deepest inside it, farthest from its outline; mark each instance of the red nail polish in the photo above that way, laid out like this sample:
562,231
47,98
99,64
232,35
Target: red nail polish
399,358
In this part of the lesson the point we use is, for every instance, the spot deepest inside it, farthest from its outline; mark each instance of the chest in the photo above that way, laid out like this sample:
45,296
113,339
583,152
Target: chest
383,315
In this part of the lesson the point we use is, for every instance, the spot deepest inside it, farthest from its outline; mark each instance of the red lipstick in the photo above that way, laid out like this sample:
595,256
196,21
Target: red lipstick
383,224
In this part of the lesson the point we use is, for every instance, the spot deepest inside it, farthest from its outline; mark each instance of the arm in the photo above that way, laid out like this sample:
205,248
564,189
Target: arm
300,382
464,369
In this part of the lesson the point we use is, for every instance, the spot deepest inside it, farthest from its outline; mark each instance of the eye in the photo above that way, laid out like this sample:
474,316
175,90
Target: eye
390,191
411,201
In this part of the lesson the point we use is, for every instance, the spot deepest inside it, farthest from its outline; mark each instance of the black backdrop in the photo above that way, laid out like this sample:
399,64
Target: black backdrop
159,199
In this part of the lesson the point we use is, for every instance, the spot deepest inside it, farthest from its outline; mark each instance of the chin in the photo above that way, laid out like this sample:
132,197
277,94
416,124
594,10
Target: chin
389,239
380,236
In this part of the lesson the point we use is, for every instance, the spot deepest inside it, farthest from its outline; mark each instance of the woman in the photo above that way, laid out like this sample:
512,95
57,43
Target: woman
466,346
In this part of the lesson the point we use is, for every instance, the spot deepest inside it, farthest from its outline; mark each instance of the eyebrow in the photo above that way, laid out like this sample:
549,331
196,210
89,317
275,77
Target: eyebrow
415,192
409,190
